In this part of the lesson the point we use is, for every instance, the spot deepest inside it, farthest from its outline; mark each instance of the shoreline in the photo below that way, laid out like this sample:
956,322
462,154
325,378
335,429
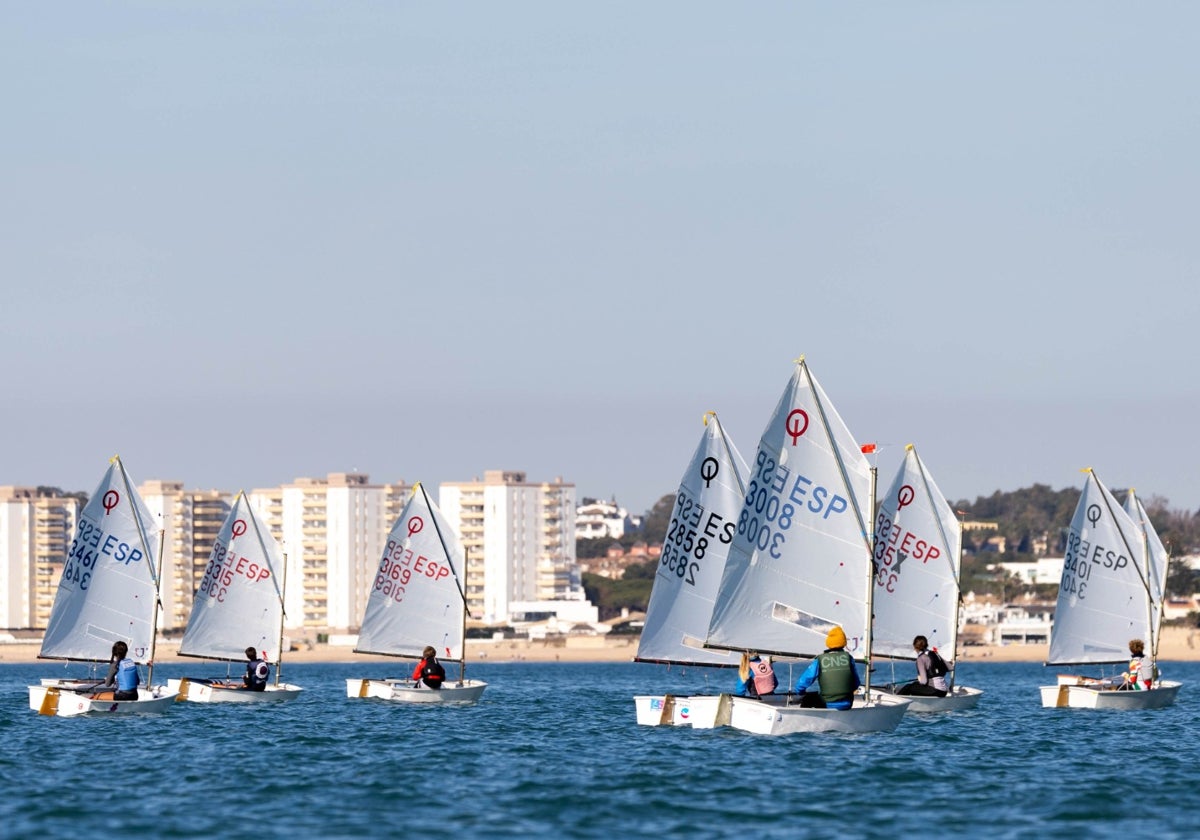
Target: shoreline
1180,644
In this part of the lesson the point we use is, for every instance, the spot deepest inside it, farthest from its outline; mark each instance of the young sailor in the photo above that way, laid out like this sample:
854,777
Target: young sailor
257,672
756,677
429,670
833,672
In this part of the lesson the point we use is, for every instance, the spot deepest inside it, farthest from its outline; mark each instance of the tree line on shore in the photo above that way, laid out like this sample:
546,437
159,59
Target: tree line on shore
1029,523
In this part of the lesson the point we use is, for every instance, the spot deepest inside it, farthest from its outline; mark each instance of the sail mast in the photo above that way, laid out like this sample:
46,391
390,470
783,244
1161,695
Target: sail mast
157,605
282,616
870,581
457,580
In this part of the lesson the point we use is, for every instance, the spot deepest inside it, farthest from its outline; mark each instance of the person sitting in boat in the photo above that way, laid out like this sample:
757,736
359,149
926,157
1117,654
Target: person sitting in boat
429,670
834,673
257,671
931,673
1140,676
122,678
756,677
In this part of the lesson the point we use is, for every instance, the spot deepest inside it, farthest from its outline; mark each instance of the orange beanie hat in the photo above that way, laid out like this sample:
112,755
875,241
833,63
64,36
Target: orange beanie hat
836,638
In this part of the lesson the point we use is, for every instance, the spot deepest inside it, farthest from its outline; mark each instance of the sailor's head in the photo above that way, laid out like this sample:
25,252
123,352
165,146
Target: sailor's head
120,649
1137,647
251,653
429,651
836,638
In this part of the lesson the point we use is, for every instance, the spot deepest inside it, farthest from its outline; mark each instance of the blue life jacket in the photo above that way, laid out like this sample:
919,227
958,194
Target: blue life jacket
127,675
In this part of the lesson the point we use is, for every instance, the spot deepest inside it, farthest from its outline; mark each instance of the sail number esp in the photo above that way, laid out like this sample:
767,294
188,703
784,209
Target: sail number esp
1081,558
89,545
690,537
398,566
768,514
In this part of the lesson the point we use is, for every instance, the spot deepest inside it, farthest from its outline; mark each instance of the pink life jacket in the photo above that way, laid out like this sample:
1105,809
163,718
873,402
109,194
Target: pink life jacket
764,677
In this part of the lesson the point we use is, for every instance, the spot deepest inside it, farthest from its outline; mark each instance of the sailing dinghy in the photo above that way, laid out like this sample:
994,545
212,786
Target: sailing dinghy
800,562
1111,592
918,555
417,600
108,593
710,497
239,604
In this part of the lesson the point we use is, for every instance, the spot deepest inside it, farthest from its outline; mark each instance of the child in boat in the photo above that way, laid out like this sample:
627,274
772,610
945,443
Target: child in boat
931,680
833,672
429,670
257,672
756,677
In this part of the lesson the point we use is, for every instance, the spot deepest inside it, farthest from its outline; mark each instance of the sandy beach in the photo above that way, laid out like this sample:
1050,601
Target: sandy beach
1178,644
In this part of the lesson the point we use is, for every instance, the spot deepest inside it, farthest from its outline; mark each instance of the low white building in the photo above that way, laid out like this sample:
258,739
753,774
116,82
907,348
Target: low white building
597,519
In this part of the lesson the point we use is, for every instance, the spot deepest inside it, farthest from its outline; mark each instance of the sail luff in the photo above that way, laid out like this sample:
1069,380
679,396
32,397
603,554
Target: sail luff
870,587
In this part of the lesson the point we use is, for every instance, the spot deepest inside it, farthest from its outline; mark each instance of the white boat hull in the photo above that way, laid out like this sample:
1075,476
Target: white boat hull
1074,692
195,690
960,698
774,717
56,698
700,711
403,691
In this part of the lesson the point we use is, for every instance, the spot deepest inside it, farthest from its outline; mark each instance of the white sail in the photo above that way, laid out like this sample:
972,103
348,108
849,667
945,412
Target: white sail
917,556
1157,559
701,530
1102,596
800,562
416,599
108,591
240,602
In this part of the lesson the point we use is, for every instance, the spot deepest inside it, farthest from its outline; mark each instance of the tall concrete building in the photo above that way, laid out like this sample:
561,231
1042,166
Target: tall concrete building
332,531
36,529
190,521
520,542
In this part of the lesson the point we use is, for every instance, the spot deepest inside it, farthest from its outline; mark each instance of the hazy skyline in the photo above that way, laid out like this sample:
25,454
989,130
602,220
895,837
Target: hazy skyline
245,243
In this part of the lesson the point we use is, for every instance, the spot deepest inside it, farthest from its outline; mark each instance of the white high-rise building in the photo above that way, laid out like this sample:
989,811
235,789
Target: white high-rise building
332,531
36,529
190,521
520,542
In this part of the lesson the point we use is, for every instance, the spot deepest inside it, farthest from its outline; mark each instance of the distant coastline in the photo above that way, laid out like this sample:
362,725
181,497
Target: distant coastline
1181,644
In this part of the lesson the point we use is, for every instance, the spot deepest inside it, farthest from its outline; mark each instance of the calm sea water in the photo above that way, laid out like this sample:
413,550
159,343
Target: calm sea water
553,750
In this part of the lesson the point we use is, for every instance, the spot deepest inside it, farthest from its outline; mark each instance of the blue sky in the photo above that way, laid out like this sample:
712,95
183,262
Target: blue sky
243,243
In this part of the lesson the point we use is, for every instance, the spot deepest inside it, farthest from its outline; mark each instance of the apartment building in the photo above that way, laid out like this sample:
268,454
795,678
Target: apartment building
37,525
519,538
332,531
190,521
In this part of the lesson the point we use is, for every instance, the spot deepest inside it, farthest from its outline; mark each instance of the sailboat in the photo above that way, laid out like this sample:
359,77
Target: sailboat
239,604
417,600
698,537
108,593
918,557
800,562
1106,598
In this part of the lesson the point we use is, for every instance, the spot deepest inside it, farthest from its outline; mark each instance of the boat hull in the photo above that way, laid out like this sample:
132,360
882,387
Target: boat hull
403,691
773,716
56,698
699,711
962,697
196,690
1072,692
